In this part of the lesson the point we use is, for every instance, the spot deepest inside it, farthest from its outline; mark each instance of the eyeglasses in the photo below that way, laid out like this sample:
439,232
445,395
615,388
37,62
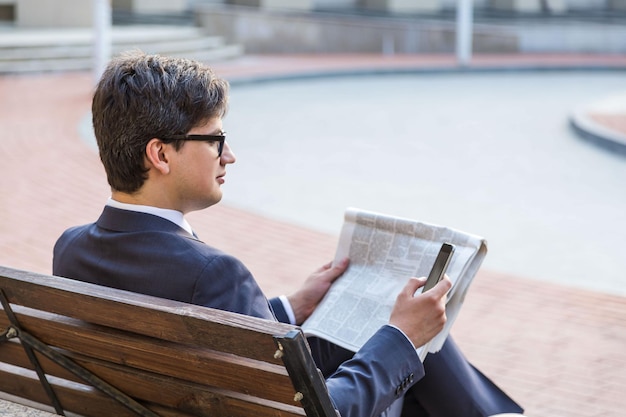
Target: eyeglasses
206,138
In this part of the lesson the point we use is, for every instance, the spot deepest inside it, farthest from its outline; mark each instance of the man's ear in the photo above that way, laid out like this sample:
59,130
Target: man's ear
156,156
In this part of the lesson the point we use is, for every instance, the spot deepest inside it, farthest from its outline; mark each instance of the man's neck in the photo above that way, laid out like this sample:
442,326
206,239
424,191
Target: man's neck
127,198
142,199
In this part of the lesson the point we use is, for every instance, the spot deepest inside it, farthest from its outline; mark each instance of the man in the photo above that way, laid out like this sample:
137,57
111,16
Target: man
158,124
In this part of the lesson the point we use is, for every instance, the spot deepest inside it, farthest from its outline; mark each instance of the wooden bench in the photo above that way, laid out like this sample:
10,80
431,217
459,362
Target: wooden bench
96,351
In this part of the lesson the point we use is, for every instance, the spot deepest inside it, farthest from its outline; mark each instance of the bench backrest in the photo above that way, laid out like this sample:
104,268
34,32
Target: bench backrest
103,352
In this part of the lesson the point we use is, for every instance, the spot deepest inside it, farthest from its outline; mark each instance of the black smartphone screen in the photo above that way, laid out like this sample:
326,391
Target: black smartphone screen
439,267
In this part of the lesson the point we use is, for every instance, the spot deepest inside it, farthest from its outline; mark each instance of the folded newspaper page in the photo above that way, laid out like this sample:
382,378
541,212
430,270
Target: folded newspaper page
384,252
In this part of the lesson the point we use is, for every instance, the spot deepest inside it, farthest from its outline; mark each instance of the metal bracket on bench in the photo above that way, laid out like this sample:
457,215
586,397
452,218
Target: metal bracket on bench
14,331
31,343
307,380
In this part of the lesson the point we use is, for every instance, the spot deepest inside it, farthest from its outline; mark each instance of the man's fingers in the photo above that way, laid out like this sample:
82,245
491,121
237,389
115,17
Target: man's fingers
441,288
420,316
325,267
438,291
340,267
413,285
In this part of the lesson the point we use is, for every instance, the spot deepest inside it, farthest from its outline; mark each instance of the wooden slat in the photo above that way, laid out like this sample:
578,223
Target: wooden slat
156,389
196,399
13,353
159,392
74,397
224,370
21,383
151,316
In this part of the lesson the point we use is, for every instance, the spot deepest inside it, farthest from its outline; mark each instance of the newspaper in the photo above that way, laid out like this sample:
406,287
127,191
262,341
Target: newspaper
384,251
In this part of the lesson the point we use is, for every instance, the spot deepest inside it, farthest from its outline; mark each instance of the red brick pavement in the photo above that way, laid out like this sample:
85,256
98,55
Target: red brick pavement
557,350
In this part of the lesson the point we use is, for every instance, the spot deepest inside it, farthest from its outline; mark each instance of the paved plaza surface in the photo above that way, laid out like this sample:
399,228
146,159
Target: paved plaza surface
555,346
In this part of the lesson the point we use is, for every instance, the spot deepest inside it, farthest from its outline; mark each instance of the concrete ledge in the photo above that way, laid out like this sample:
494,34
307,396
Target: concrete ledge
403,6
602,135
276,4
264,31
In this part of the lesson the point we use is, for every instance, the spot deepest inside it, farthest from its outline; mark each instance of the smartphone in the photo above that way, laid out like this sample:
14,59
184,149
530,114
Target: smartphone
439,267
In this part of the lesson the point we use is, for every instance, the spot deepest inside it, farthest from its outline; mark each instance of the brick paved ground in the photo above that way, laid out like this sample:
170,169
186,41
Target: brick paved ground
557,350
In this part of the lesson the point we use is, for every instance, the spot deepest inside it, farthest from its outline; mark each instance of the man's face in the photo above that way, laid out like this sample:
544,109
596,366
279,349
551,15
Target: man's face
197,170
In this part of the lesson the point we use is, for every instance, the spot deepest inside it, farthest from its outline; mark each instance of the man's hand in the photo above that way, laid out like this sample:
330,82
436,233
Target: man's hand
306,299
421,316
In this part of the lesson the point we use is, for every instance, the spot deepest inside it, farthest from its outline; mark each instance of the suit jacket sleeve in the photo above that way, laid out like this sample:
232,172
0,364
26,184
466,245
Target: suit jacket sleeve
378,374
279,310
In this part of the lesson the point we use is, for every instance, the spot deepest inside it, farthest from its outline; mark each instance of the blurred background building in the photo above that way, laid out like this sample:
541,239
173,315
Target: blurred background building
78,12
45,35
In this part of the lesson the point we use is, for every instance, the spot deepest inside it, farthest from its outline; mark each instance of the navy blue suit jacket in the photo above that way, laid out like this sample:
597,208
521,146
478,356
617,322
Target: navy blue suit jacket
148,254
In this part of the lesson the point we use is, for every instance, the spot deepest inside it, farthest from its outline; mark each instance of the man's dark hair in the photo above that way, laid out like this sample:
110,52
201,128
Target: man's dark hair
140,97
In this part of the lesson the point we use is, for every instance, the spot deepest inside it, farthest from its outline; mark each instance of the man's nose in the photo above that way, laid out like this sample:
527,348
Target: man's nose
228,156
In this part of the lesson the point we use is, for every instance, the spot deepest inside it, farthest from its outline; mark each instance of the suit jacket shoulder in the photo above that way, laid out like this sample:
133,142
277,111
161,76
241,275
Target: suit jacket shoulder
148,254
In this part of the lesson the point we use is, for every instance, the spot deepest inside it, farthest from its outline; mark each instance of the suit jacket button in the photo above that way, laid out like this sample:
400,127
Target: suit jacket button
398,390
411,377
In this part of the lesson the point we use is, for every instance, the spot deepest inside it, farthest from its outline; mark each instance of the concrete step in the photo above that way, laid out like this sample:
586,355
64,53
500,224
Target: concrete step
43,50
83,36
81,51
85,63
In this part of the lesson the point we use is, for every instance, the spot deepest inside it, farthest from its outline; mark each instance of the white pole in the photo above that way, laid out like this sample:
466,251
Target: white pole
102,22
464,17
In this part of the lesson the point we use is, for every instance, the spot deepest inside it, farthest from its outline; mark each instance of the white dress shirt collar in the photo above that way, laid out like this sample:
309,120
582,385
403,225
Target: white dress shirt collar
174,216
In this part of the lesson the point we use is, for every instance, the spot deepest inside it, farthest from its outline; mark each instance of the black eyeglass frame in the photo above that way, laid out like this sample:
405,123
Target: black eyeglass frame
206,138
